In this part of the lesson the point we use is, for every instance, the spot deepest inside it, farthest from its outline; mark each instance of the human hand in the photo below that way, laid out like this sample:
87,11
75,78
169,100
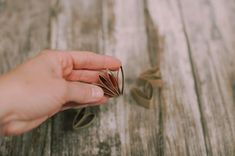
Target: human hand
44,85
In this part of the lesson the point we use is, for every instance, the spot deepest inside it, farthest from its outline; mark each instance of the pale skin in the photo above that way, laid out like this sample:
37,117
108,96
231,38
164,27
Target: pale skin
46,84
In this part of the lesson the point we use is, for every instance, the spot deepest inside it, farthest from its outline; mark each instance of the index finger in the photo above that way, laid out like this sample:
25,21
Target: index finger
90,60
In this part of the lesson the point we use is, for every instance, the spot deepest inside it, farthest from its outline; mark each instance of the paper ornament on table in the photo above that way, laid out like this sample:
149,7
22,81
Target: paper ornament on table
112,84
148,80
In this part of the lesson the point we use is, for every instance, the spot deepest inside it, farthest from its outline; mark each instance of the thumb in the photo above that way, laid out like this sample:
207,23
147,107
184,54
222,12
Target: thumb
84,93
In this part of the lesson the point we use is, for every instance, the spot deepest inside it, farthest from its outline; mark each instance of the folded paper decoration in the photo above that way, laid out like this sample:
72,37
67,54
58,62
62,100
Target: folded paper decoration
112,85
82,119
109,81
148,80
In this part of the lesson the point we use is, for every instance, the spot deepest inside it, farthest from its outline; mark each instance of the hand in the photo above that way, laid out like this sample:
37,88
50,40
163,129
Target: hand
44,85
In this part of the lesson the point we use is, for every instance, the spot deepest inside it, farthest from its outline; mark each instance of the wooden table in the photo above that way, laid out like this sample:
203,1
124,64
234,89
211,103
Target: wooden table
193,41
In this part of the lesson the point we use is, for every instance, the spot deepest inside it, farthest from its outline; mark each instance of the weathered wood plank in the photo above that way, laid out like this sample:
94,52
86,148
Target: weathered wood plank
182,128
23,33
77,26
138,127
193,41
122,128
209,55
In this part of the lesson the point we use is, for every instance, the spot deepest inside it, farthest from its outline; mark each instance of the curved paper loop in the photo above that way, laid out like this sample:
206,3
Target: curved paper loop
123,84
110,84
82,119
78,117
154,73
154,82
85,122
141,98
148,79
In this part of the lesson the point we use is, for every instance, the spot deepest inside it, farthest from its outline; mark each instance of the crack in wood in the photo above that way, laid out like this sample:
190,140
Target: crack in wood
155,44
197,87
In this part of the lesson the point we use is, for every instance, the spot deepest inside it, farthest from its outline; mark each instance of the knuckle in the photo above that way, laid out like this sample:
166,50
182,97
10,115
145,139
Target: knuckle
47,54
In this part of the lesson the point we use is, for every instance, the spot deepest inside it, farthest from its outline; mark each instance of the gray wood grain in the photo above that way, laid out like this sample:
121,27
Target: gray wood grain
182,129
211,75
77,26
193,43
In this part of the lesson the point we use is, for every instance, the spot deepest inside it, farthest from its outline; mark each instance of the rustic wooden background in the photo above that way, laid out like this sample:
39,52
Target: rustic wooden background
192,40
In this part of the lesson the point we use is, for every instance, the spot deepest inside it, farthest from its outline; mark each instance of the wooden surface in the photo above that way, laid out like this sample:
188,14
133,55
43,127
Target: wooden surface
193,41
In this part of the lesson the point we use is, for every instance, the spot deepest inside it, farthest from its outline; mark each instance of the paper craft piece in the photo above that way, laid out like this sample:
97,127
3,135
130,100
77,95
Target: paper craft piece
148,79
153,76
112,86
141,98
82,119
109,81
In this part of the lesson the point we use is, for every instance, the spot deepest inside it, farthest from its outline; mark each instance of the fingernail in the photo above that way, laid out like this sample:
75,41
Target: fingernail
97,92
